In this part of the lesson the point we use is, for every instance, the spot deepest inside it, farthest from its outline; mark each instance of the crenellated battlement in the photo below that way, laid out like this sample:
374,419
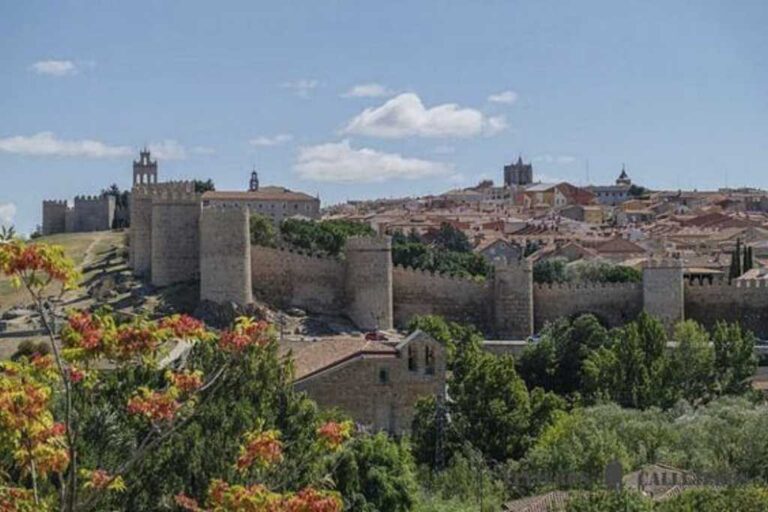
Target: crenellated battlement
88,213
585,287
176,196
155,189
299,253
454,278
719,284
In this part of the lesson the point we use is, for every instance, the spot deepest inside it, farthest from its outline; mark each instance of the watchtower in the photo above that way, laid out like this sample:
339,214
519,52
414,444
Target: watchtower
225,254
513,299
175,235
368,282
663,290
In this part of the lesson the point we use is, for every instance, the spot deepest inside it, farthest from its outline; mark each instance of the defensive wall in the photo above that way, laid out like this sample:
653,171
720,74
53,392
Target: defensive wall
298,279
419,292
164,236
88,213
174,238
743,301
612,303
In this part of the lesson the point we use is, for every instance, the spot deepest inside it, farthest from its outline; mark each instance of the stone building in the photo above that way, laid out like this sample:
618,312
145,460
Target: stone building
613,194
518,174
276,203
376,381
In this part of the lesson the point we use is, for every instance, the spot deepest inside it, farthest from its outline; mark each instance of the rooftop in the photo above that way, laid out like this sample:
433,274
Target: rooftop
263,194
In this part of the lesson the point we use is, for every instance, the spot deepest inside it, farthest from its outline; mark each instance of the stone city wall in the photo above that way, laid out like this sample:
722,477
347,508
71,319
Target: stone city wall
613,303
419,292
744,301
295,279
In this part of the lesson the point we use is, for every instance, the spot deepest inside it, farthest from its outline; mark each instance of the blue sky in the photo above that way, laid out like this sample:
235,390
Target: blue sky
356,99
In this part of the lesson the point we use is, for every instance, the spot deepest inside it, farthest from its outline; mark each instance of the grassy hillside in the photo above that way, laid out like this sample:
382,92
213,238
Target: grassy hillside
85,249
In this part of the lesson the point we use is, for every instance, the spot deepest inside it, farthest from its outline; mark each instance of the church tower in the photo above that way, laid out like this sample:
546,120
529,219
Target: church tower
518,174
253,186
623,179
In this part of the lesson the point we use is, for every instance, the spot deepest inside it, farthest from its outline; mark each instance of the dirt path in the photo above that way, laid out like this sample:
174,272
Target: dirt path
89,251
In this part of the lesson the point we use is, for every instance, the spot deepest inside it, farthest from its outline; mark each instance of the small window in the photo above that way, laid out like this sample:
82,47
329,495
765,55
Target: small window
383,376
429,361
412,364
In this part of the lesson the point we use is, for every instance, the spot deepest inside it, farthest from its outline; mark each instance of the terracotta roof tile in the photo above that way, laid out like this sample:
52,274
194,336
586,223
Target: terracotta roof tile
312,357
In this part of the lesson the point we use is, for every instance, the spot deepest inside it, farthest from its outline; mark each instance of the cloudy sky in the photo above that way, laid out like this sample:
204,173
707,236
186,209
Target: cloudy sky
354,99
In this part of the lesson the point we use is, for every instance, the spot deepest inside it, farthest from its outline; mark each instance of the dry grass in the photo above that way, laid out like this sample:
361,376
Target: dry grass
76,246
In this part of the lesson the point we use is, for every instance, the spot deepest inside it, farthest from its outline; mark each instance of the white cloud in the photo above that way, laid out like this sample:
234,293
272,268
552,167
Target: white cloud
7,214
339,162
506,97
47,144
168,149
302,87
495,125
54,67
405,116
371,90
554,159
276,140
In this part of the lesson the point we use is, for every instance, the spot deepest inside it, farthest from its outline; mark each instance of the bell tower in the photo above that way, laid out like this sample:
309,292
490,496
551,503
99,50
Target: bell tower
253,186
144,170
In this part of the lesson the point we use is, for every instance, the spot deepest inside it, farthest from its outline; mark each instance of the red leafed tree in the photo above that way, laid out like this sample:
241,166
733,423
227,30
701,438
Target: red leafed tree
38,407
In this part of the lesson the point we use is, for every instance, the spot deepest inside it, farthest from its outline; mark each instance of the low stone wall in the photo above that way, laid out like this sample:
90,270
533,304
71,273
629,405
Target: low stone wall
418,292
291,278
614,304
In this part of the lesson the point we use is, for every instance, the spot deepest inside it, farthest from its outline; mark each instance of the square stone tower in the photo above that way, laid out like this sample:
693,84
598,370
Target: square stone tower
663,292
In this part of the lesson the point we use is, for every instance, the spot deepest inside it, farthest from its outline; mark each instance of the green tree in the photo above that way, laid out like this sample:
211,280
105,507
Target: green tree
550,271
263,230
376,474
751,498
690,365
557,361
204,186
451,239
328,236
735,360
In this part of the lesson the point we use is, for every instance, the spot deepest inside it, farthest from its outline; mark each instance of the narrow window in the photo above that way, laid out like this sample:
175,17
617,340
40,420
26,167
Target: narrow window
383,376
429,361
412,364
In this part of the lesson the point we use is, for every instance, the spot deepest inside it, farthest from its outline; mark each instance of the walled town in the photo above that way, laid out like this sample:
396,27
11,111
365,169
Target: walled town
358,321
360,256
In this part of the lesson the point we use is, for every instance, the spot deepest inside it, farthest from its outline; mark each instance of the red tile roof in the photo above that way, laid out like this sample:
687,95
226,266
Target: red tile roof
313,357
